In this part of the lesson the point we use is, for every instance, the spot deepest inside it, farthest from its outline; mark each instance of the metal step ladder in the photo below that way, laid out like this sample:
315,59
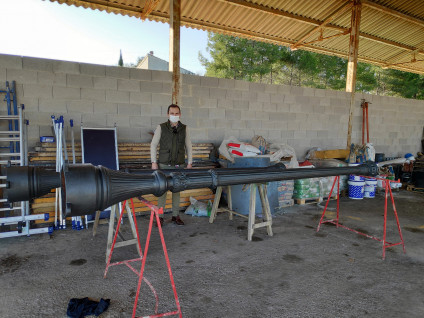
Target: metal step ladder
13,151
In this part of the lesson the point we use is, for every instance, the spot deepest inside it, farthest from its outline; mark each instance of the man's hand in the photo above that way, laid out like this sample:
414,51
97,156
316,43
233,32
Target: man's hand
155,166
189,166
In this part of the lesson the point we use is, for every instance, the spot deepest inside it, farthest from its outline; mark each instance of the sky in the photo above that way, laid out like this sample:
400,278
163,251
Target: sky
44,29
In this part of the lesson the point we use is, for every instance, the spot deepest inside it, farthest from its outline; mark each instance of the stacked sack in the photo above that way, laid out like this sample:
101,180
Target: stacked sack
306,188
326,183
285,193
314,188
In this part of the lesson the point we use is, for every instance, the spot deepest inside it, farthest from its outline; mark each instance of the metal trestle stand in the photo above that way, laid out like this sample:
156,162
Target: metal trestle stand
252,206
155,212
388,191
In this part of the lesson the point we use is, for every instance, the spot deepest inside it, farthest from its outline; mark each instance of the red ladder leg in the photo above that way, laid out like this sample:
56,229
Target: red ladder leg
326,204
397,220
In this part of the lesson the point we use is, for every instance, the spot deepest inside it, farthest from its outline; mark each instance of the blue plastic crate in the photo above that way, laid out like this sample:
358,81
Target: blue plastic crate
46,139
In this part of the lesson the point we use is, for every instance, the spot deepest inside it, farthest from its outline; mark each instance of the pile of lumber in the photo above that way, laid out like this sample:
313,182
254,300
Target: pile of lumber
131,155
46,204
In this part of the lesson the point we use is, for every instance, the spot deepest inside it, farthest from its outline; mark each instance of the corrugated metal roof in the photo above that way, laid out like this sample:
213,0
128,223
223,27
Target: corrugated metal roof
391,31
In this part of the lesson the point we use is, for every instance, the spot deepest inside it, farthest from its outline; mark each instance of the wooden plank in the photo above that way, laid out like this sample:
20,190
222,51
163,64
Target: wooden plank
252,214
413,188
332,154
313,200
318,28
128,151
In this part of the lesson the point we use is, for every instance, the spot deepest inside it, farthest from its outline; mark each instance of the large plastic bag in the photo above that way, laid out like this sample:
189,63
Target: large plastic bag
198,208
232,147
243,146
369,152
279,151
241,153
223,149
260,143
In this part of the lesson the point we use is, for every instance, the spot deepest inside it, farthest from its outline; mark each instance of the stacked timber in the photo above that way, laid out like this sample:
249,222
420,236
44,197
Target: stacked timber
46,204
131,155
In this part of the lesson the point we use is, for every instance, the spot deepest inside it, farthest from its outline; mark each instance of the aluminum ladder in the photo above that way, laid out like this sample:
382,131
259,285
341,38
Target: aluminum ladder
13,139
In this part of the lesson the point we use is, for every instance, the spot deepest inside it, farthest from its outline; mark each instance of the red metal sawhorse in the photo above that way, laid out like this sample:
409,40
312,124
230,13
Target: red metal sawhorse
388,191
155,211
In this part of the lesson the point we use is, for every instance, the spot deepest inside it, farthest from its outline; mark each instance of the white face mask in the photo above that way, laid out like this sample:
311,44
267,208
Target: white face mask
174,119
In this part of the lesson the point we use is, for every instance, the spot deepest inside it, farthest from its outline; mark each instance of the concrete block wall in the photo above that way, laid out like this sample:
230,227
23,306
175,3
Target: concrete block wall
136,100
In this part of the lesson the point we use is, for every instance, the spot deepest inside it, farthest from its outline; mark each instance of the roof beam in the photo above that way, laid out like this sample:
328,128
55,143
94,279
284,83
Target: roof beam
322,39
404,53
392,12
332,16
245,4
352,63
149,6
258,7
203,25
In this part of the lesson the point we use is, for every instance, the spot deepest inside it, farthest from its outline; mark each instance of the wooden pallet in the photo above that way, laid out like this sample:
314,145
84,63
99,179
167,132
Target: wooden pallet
312,200
285,203
413,188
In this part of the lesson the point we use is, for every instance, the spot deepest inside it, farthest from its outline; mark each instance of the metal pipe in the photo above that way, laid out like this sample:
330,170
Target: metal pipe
86,188
26,183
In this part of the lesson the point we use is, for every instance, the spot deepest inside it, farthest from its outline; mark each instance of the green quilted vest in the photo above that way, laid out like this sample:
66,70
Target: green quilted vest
172,144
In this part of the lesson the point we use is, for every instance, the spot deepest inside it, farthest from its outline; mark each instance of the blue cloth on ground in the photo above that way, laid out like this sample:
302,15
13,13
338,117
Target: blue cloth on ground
81,307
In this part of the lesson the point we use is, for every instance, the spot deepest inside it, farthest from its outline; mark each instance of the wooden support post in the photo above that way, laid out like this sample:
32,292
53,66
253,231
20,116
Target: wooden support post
114,214
215,204
266,210
352,62
174,49
230,201
252,212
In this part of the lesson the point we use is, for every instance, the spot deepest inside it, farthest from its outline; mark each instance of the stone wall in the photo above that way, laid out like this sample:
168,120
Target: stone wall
136,100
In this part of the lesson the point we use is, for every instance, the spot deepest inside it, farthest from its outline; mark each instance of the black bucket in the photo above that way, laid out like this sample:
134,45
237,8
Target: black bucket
418,178
379,157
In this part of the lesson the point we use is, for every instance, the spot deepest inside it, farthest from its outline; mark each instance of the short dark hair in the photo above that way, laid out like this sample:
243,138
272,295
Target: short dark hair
174,105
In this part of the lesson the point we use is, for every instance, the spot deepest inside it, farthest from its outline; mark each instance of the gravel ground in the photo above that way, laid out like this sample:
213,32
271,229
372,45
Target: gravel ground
218,273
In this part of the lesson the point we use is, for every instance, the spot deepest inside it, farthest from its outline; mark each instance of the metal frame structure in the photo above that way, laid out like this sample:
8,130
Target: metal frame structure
17,155
155,212
388,191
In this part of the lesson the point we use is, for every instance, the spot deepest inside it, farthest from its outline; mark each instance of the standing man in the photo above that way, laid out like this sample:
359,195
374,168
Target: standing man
174,141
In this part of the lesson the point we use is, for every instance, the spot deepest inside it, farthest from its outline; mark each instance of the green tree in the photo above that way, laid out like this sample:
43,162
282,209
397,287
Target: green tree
403,84
249,60
121,61
366,80
332,72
